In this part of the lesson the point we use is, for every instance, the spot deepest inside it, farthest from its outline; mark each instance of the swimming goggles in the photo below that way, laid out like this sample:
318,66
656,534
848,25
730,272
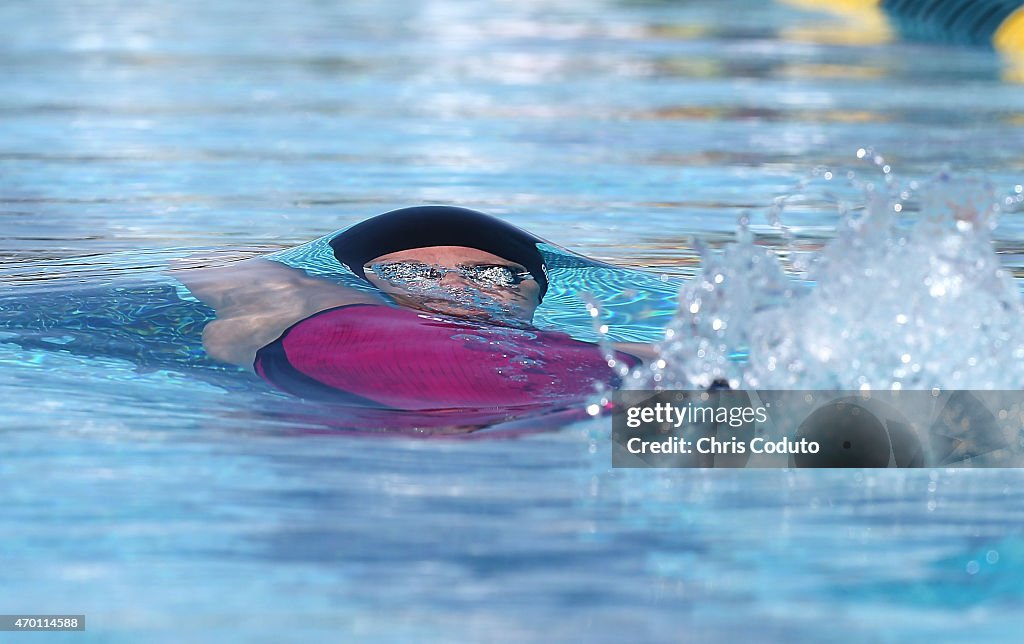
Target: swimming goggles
427,275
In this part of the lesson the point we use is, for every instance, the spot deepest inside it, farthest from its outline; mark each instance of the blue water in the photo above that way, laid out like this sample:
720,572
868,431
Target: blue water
170,506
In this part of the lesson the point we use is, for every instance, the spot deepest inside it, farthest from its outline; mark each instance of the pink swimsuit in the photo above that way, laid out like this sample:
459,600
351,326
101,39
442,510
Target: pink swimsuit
384,357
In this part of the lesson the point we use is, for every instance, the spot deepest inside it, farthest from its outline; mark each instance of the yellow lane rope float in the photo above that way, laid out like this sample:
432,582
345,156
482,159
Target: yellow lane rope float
998,23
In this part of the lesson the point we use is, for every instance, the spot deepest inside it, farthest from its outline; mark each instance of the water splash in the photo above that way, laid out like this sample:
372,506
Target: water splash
910,294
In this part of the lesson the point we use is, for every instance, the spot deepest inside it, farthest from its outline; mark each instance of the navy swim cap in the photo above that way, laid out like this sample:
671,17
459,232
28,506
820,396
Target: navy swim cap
424,226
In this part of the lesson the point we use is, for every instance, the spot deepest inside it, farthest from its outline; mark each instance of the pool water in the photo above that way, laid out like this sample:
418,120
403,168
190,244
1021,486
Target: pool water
170,503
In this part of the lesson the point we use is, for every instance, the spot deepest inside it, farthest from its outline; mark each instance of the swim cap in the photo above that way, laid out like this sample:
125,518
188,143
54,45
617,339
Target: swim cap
424,226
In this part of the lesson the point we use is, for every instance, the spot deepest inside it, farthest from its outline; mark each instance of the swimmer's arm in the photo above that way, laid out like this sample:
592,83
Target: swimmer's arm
643,351
256,300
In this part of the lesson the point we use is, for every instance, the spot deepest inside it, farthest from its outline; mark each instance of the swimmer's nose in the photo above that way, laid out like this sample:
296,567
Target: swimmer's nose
452,278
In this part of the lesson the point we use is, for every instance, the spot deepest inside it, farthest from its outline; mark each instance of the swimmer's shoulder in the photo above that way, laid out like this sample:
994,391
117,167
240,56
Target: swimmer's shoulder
257,300
256,285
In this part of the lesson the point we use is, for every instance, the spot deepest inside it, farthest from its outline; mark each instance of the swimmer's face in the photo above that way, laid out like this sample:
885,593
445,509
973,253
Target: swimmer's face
456,280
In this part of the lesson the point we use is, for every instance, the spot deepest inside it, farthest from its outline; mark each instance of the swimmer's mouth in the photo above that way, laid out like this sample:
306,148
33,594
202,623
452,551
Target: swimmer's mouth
473,305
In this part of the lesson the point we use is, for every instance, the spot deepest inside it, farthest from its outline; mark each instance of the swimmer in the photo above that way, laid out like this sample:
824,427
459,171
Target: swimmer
447,325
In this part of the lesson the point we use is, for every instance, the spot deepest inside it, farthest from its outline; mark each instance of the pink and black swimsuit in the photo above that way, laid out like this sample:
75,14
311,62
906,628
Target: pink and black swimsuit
383,357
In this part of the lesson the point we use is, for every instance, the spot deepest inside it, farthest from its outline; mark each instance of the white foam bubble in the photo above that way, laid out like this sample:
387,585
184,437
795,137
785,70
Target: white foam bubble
912,297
